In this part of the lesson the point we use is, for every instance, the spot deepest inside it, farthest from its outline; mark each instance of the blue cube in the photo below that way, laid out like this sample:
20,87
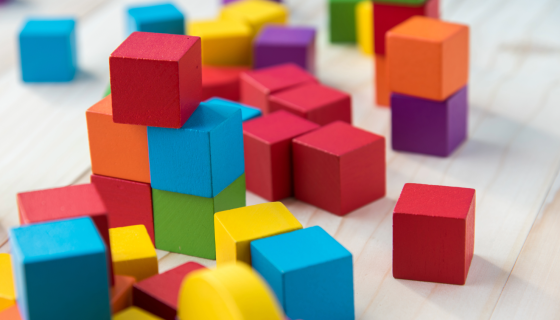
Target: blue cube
160,18
60,270
310,272
48,50
247,112
203,157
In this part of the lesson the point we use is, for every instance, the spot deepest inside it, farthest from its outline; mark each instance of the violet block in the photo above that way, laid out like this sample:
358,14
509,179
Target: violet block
278,44
230,1
427,126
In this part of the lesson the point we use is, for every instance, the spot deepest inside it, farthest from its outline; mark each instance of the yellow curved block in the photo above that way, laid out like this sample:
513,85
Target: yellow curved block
256,13
364,26
7,288
230,292
133,252
134,313
235,229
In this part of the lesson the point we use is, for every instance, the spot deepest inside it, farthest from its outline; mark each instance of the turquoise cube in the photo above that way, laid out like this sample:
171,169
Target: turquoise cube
160,18
247,112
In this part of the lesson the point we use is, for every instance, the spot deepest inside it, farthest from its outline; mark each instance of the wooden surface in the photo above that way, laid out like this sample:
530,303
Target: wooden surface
512,156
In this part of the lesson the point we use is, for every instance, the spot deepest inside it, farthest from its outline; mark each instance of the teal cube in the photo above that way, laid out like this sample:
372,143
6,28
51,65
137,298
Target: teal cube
159,18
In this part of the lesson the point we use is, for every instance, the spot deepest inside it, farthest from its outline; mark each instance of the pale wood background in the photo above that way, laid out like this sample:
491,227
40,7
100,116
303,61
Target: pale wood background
512,157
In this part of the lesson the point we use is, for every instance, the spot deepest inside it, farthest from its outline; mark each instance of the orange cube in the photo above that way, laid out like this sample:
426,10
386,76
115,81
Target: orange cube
428,58
382,92
121,293
116,150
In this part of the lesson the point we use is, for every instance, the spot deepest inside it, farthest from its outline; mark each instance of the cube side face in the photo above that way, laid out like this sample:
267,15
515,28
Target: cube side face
254,95
172,26
457,119
258,167
342,21
190,82
237,46
382,92
469,238
233,196
273,276
7,285
339,110
152,304
267,55
364,26
455,62
282,171
48,58
226,246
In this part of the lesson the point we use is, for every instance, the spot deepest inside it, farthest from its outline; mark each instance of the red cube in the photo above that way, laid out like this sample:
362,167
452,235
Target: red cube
222,82
156,79
257,85
268,153
314,102
339,168
433,233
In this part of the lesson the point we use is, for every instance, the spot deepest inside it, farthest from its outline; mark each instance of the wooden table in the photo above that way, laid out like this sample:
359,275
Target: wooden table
512,156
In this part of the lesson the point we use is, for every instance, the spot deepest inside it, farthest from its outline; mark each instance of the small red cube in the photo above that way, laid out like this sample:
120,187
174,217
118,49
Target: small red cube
314,102
339,168
156,79
222,82
433,233
268,153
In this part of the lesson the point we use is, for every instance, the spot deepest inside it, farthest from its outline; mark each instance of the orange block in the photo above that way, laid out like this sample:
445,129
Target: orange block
382,92
428,58
12,313
121,293
116,150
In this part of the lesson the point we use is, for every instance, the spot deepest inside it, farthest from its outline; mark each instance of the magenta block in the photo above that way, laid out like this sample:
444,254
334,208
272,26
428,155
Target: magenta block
229,1
278,44
427,126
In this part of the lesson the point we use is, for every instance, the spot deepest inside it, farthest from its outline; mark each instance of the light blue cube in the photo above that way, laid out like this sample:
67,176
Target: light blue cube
203,157
310,272
247,112
159,18
48,50
60,270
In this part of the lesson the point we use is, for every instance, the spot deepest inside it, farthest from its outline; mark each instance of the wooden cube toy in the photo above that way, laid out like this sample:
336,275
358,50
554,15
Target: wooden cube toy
203,157
185,223
314,102
133,252
426,217
355,160
48,50
276,45
121,293
223,82
235,229
342,19
159,294
11,313
228,1
256,14
247,112
310,272
428,58
61,270
7,287
389,14
156,79
364,26
382,93
268,153
159,18
134,313
427,126
257,85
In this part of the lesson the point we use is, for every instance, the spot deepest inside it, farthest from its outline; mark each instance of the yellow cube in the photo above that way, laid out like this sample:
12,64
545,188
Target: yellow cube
133,252
230,292
224,42
255,13
235,229
364,26
7,288
134,313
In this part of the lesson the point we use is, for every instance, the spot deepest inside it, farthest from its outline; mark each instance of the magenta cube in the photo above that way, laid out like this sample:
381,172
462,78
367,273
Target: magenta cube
427,126
278,44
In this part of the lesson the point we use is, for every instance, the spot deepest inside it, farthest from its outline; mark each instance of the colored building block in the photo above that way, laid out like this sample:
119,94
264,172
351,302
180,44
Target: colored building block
185,223
11,313
129,203
235,229
433,233
257,85
310,272
134,313
427,126
121,293
354,159
116,150
159,18
382,93
48,50
228,1
133,252
279,44
201,158
247,112
428,58
60,269
7,288
221,82
159,294
219,36
233,292
268,153
156,79
314,102
387,15
342,16
402,2
364,26
106,93
256,14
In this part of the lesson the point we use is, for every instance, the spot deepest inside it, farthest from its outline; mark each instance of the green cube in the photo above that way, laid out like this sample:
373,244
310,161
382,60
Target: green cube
107,91
402,2
343,20
185,223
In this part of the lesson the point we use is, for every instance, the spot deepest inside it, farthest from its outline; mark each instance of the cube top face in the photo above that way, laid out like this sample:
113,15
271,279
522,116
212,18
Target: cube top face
134,313
278,126
41,28
133,242
256,13
7,288
309,97
300,249
56,240
286,36
279,77
155,13
427,29
104,106
435,201
247,112
155,46
209,116
217,29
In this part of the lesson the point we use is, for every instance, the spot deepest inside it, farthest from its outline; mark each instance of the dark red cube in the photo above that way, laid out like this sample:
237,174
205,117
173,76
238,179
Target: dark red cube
222,82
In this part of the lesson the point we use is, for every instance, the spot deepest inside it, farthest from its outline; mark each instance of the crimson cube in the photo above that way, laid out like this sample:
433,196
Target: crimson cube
222,82
433,233
156,79
268,153
339,168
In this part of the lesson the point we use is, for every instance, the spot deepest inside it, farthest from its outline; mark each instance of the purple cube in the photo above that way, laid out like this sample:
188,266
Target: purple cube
278,44
229,1
427,126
